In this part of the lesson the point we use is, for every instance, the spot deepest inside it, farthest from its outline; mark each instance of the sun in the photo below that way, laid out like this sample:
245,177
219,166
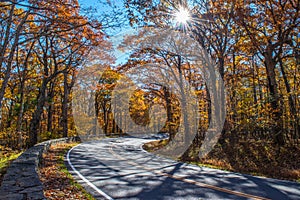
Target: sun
182,16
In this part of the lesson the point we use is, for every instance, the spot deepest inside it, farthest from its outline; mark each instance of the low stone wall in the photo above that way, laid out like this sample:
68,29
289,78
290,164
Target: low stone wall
21,181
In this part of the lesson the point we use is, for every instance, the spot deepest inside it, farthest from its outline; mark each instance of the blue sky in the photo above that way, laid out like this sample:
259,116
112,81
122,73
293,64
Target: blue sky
87,2
116,35
107,7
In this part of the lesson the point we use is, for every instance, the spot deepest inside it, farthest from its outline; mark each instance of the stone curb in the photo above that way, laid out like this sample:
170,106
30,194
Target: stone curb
21,181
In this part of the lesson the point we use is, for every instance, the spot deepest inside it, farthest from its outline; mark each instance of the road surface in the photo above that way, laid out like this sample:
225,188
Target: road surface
118,168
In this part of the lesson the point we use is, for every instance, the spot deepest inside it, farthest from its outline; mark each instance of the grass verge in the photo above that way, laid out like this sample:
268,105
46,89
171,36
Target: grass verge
57,181
259,158
5,161
155,145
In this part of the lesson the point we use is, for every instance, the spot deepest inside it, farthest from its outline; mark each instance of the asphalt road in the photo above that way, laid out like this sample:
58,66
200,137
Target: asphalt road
119,169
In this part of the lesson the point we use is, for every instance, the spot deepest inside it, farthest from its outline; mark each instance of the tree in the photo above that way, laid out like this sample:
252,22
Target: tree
43,44
103,95
255,47
12,22
263,24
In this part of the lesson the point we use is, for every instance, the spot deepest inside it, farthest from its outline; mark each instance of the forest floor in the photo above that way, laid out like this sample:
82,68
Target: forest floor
57,181
6,157
255,157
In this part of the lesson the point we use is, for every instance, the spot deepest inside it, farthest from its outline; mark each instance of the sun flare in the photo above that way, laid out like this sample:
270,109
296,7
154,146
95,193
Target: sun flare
182,16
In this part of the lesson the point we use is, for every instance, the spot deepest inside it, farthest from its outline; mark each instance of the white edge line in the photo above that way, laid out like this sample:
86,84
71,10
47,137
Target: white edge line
84,179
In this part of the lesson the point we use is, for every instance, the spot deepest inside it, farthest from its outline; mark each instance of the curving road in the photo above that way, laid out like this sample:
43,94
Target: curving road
119,169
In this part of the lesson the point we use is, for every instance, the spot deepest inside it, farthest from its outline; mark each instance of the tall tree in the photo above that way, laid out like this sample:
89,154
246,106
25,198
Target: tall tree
270,25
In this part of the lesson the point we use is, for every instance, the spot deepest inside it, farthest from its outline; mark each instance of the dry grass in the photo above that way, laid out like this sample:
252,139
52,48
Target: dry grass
57,181
257,158
155,145
261,158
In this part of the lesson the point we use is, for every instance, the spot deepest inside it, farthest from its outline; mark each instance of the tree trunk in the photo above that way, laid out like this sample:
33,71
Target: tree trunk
65,106
50,109
7,73
36,117
20,115
167,98
274,96
21,92
292,106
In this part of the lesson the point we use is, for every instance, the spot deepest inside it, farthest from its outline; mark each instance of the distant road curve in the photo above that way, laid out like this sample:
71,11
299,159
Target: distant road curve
118,168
